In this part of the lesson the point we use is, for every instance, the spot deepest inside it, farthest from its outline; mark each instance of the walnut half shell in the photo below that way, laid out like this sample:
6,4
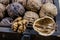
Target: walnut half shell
45,26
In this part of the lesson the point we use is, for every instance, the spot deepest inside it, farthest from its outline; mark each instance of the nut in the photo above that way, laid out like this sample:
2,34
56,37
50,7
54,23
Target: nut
31,16
15,9
47,1
6,20
34,5
19,25
2,9
48,9
23,2
45,26
5,2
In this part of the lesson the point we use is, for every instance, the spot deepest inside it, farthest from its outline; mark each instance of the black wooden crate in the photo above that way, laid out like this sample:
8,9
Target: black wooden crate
7,34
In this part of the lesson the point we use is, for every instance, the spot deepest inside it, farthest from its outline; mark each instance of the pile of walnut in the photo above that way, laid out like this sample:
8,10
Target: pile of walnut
23,12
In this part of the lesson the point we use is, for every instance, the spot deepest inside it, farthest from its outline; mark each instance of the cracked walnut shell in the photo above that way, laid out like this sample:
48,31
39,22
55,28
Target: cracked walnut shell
45,26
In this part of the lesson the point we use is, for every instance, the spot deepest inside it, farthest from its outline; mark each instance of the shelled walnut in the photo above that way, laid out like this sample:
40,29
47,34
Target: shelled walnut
2,9
6,20
48,9
45,26
19,25
31,16
15,9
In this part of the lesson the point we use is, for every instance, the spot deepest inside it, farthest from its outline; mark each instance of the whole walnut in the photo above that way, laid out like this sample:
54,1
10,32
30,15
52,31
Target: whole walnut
19,25
33,5
51,1
6,20
47,1
5,2
48,9
15,9
31,16
2,9
23,2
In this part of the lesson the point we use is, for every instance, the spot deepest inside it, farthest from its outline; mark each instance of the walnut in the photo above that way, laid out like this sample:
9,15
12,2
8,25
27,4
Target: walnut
48,9
31,16
33,5
47,1
23,2
19,25
51,1
2,9
5,2
45,26
15,9
6,20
